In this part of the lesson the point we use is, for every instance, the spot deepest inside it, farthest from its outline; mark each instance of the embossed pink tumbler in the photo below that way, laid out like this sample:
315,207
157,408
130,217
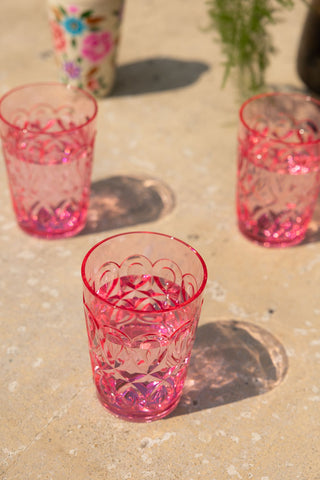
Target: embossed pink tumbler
278,167
48,132
143,294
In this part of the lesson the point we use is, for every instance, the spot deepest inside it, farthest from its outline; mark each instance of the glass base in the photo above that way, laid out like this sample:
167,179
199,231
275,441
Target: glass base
51,235
140,416
271,242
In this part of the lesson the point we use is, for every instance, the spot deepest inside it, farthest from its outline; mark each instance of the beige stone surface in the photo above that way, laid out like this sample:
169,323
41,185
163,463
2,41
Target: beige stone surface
165,161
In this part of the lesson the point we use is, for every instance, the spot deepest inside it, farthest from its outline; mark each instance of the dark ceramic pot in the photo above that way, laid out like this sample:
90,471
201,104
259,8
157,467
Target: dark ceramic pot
308,61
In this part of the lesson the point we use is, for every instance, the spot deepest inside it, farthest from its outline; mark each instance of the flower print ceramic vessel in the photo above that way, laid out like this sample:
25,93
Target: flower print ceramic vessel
85,39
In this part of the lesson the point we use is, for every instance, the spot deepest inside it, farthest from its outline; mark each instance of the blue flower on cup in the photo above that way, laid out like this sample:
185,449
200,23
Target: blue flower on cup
74,25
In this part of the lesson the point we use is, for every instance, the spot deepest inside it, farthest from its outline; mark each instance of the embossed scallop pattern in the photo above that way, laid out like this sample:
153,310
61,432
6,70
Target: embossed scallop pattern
278,171
49,159
140,339
139,284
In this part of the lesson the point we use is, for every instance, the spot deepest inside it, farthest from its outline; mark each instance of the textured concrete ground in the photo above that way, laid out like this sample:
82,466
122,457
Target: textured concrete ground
165,160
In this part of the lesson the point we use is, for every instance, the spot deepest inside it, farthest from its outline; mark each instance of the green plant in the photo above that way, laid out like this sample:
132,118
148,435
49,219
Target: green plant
242,26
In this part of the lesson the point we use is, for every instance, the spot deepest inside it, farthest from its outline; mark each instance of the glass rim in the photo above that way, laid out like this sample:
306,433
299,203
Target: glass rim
301,96
199,291
50,84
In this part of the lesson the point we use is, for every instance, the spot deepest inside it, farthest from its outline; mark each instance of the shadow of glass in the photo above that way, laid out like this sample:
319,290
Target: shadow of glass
156,75
231,360
123,201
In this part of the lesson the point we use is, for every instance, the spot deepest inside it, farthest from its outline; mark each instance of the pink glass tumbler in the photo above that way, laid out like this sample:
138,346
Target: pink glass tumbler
278,167
48,132
143,294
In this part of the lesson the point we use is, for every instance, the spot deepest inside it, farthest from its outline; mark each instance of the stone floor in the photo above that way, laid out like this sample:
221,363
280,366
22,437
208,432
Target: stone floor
165,160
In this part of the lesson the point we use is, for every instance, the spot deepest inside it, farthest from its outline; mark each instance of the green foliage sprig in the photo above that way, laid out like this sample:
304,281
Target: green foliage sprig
242,26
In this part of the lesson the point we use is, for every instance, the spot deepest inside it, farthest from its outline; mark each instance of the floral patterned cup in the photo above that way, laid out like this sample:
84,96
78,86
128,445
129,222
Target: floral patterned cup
85,39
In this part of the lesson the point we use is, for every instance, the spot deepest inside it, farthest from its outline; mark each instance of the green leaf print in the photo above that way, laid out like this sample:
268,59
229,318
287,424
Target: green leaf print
86,14
62,10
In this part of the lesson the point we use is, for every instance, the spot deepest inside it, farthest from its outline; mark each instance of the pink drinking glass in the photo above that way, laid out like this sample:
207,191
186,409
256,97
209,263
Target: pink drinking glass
48,132
142,297
278,167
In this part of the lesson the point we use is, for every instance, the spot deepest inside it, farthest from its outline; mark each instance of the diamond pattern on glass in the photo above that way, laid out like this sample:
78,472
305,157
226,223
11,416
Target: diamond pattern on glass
139,344
278,174
49,168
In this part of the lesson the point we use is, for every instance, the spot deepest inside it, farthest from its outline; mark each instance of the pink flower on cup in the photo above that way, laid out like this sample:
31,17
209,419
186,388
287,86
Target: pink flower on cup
96,46
58,36
73,9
